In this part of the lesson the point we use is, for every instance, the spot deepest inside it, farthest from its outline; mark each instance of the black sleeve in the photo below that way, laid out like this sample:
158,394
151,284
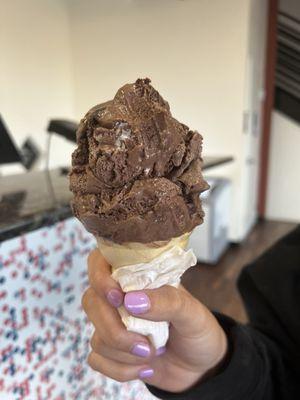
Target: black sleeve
264,356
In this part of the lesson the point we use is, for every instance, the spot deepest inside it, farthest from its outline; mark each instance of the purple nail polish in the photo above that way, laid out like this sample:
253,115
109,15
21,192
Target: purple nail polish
160,351
146,373
137,302
141,350
115,297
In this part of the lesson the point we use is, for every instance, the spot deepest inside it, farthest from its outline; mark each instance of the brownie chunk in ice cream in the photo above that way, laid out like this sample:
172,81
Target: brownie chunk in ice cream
136,173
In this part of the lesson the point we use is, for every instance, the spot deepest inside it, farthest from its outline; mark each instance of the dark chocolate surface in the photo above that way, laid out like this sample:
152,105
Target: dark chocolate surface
136,173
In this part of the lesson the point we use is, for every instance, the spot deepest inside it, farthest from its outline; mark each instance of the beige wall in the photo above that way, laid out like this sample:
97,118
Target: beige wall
283,196
35,71
193,50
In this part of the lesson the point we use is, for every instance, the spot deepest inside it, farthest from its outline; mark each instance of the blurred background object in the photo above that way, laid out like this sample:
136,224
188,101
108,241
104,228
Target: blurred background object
211,239
30,153
8,150
287,83
64,128
27,155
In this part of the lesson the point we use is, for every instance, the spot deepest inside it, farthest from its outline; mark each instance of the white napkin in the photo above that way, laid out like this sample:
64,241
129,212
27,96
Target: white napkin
165,269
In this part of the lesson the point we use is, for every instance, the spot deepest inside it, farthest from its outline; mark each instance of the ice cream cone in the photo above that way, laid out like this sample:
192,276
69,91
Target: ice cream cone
138,266
119,255
136,178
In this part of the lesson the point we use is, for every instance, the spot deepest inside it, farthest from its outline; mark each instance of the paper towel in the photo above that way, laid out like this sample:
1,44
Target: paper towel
166,269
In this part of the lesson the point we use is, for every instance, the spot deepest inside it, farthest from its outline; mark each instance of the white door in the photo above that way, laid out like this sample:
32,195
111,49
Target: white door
254,96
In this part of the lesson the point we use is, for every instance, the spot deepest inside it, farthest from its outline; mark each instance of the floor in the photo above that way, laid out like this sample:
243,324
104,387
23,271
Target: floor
215,285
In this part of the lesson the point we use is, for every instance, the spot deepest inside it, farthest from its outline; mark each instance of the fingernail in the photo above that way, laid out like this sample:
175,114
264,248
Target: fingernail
160,351
115,297
137,302
146,373
141,350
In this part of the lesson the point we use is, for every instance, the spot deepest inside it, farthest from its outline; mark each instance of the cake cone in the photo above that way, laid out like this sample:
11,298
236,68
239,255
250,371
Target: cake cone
138,266
119,255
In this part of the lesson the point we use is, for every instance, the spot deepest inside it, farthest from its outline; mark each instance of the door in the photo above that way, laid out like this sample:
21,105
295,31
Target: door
254,97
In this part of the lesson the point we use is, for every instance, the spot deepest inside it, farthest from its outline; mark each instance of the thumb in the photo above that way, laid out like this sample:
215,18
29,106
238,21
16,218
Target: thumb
187,315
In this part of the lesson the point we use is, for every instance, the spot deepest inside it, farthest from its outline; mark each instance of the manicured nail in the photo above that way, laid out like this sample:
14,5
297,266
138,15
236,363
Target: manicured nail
160,351
137,302
141,350
146,373
115,297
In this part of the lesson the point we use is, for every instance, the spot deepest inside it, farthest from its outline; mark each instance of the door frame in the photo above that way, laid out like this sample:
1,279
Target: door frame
268,104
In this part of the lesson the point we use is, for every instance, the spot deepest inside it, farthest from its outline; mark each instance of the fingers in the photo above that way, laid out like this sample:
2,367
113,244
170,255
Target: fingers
112,341
167,303
109,326
99,272
139,353
118,371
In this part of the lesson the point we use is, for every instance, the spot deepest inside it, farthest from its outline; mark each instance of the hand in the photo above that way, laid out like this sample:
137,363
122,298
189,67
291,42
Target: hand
196,346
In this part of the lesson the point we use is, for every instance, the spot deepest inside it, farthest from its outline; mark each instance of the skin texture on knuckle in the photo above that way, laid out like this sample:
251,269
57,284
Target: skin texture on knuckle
183,306
118,372
124,374
121,377
87,300
95,343
117,340
91,361
177,301
96,281
98,274
92,257
166,303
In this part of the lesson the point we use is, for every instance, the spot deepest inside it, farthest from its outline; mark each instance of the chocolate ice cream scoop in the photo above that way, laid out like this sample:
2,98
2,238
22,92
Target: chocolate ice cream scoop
136,173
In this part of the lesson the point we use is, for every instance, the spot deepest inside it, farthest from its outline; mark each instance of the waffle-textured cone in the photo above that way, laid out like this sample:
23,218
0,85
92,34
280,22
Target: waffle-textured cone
119,255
